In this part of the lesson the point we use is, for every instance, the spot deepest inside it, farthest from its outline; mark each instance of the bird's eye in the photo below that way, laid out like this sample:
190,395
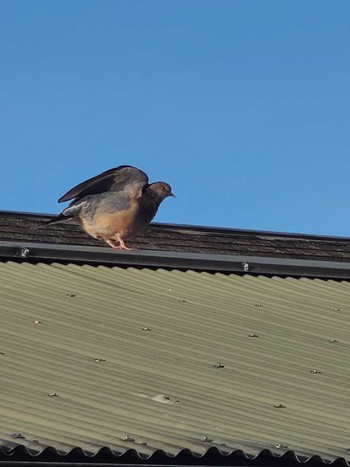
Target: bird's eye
162,188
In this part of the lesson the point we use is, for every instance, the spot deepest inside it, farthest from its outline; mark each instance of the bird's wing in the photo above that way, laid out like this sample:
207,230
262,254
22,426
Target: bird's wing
122,178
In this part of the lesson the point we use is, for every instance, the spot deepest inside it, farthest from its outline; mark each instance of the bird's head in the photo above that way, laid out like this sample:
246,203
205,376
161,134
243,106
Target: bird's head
161,189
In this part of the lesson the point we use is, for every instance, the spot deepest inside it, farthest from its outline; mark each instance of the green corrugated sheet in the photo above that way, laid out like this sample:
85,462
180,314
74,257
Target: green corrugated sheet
169,360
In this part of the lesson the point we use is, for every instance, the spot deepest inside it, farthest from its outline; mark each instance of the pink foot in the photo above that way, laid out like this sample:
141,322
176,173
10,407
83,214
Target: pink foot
121,245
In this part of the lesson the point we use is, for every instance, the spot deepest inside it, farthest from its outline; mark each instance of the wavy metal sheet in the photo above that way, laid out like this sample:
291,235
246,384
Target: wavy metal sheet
142,359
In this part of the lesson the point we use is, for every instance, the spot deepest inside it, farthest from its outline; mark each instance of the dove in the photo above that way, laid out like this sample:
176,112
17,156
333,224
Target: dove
114,205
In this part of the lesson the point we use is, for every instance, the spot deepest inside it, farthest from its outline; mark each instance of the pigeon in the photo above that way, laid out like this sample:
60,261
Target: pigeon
114,205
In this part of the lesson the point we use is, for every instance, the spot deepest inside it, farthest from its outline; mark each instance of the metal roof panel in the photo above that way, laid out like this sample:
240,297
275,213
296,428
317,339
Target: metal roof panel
131,358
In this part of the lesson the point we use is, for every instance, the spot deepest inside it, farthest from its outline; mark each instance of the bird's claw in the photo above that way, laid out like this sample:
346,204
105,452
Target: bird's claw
119,246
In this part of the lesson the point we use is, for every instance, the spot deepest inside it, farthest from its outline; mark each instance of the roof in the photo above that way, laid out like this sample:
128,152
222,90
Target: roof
127,357
179,246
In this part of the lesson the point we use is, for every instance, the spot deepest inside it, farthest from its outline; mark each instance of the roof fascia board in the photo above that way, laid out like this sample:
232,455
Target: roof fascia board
35,252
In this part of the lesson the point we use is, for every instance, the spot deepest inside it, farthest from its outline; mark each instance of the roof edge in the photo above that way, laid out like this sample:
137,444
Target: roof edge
257,265
188,228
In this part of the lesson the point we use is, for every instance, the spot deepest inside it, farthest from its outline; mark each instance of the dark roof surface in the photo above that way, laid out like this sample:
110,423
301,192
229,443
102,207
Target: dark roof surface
183,238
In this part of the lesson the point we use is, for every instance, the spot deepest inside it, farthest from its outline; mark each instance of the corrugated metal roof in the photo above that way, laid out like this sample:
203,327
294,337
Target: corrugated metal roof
156,359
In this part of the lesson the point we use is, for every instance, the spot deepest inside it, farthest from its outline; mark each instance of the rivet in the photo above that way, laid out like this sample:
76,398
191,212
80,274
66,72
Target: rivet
281,446
258,305
17,436
70,295
333,340
98,360
218,365
53,394
336,309
280,406
128,438
315,372
182,301
245,267
25,252
37,321
253,335
205,439
146,329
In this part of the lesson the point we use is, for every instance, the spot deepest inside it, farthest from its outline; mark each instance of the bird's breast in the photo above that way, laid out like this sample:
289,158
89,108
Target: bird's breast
125,223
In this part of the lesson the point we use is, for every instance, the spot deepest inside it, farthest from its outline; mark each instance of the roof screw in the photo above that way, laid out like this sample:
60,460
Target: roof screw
146,329
218,365
336,309
53,394
24,252
258,305
245,267
315,372
281,446
333,340
37,321
70,295
128,438
253,335
182,301
205,439
17,436
98,360
280,406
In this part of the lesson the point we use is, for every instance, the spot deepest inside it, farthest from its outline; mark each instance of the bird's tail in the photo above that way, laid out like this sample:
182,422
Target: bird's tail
58,219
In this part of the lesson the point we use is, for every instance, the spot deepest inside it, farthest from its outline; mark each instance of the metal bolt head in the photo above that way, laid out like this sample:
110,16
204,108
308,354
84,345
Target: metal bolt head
315,372
25,252
218,365
53,394
281,446
70,295
17,436
37,321
146,329
333,341
280,406
128,438
253,335
205,439
258,305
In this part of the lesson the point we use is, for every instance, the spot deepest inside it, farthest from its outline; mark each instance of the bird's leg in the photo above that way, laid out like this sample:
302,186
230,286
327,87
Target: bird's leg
112,244
121,245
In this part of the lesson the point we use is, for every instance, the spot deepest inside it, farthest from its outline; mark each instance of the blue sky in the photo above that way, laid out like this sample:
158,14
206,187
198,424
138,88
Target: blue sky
241,105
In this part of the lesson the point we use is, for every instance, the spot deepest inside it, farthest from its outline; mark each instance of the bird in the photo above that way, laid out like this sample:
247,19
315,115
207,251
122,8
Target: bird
115,205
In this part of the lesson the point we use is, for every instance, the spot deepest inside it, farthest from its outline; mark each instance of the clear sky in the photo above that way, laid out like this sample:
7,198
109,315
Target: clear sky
243,106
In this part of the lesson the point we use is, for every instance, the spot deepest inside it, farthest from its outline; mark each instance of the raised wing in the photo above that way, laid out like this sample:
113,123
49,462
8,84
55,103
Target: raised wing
122,178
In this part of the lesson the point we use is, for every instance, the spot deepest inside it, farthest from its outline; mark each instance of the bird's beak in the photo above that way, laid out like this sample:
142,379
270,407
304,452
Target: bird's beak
172,195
